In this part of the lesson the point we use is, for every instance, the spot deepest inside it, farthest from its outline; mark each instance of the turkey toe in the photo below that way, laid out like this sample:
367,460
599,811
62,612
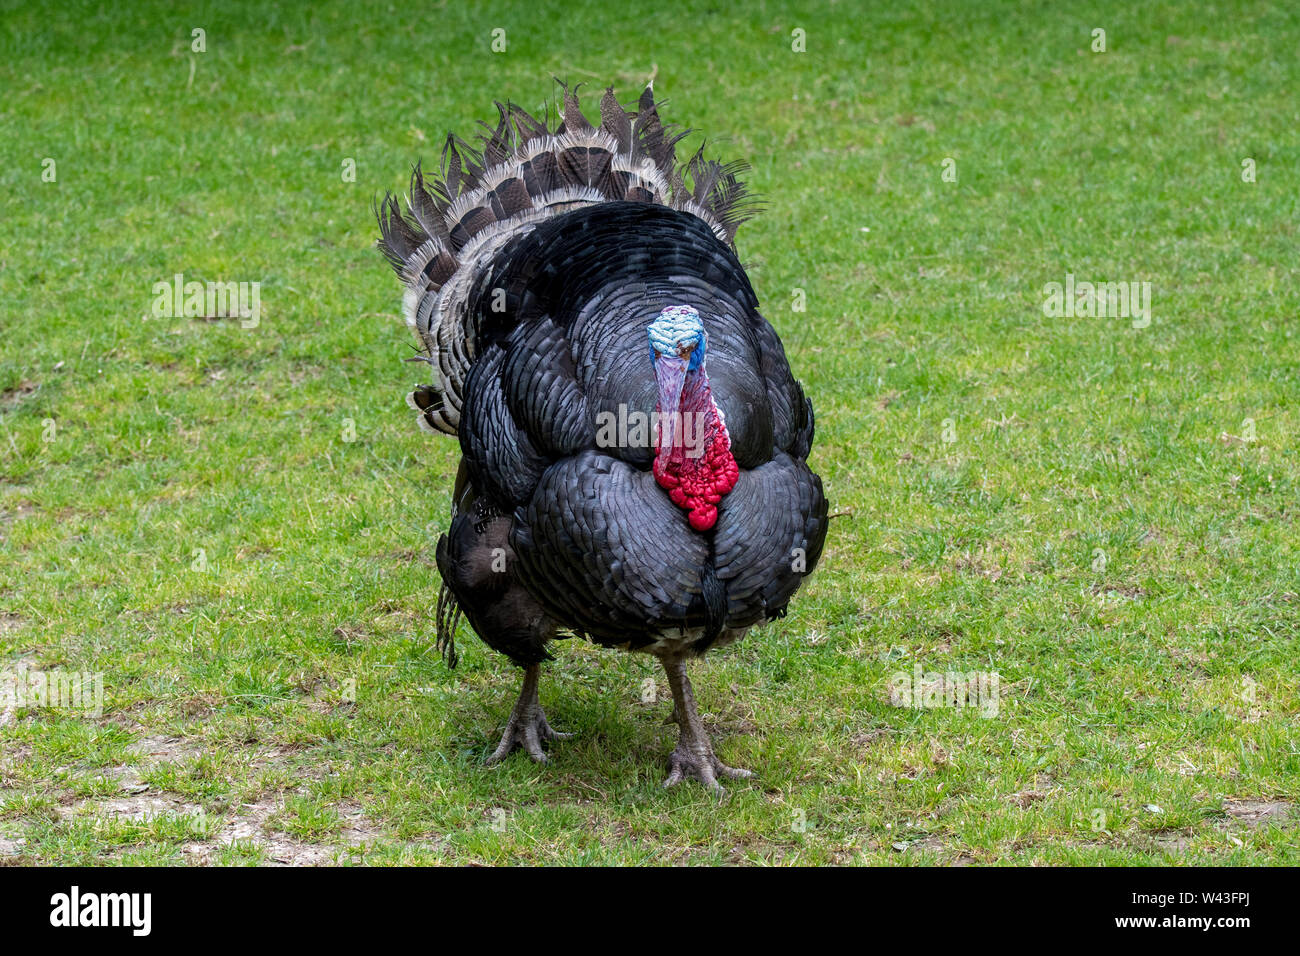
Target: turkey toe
527,727
526,732
686,762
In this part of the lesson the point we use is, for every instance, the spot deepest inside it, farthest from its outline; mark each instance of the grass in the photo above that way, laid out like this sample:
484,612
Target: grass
1111,528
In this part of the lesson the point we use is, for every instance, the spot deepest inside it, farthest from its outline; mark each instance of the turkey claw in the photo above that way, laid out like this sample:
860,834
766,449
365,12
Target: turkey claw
684,763
527,732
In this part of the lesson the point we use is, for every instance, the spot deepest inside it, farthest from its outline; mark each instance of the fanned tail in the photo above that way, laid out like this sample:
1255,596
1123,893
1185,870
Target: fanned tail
525,171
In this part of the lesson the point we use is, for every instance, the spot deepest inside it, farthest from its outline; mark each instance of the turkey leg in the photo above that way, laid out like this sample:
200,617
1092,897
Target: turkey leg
694,756
527,727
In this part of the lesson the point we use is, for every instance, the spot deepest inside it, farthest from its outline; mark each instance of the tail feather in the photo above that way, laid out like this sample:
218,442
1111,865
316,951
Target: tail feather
448,613
499,143
523,171
574,121
616,121
428,203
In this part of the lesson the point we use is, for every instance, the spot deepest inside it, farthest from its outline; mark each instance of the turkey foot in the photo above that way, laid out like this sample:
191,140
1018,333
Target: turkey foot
693,756
527,727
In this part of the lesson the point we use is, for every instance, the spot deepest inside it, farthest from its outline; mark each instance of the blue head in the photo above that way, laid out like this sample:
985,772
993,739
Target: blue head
678,333
677,344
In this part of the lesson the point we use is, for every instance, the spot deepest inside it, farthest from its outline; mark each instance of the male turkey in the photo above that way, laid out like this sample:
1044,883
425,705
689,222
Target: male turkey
633,442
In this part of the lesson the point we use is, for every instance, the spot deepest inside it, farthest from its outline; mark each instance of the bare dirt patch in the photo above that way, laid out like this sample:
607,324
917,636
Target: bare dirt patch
253,822
1024,799
1132,592
249,823
10,847
14,395
1171,841
17,512
1257,813
134,807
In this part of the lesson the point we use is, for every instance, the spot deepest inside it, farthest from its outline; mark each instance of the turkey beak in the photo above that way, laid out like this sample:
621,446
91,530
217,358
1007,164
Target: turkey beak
670,370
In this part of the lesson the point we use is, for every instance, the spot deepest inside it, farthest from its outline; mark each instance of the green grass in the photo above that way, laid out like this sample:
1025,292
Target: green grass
285,703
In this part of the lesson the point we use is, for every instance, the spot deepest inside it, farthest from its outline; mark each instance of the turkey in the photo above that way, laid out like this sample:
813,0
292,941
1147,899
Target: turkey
633,443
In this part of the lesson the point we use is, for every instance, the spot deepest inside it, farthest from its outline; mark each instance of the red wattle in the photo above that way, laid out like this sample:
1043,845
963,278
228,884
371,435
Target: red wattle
698,483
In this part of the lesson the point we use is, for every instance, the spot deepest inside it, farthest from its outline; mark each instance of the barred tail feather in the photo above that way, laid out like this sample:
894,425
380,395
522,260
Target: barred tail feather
523,171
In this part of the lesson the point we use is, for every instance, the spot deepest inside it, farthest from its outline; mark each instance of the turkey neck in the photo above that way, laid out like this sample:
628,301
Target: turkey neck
693,434
693,462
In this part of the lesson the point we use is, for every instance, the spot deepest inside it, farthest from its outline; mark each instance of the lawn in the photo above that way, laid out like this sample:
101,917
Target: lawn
234,526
